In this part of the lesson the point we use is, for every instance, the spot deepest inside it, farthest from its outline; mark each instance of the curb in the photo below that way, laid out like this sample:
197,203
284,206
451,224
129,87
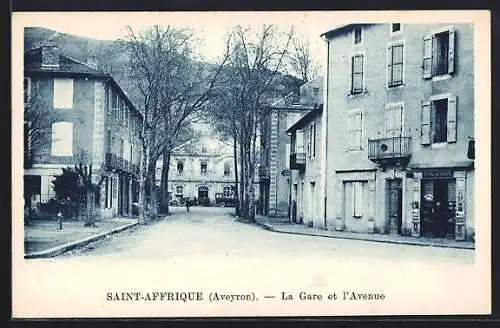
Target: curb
411,243
58,250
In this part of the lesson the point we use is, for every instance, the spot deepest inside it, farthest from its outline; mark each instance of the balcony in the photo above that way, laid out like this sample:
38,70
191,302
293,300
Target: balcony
298,161
395,150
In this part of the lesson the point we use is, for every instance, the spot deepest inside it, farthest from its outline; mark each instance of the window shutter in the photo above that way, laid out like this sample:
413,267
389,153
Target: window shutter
427,61
360,142
452,119
426,123
389,65
451,51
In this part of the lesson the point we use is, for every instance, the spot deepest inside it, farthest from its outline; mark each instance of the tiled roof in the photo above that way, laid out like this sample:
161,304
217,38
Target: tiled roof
33,63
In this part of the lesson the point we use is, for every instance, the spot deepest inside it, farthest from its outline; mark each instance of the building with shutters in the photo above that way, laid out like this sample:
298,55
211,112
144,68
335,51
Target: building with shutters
399,112
200,168
96,123
274,172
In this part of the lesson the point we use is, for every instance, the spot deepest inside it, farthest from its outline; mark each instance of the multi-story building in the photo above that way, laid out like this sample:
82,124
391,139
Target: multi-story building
275,145
96,124
307,201
399,112
199,169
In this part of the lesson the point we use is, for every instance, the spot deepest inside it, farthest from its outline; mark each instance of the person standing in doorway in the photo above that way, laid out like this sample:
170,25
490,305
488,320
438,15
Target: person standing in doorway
188,204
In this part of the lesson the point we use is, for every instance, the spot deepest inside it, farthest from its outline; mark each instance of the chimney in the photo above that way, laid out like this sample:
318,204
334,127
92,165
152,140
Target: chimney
50,56
93,62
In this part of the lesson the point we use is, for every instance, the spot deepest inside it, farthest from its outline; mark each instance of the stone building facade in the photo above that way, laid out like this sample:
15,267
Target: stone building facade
96,124
274,164
399,113
200,169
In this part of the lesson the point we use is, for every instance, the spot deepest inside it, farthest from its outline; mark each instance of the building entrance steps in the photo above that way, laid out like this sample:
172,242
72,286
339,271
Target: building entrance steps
283,226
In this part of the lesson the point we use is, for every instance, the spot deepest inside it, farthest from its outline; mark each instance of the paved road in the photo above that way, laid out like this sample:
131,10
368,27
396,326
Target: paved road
208,250
215,232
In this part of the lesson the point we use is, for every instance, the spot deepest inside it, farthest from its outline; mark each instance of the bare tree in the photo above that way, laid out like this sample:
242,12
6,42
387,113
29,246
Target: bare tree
300,59
256,58
173,86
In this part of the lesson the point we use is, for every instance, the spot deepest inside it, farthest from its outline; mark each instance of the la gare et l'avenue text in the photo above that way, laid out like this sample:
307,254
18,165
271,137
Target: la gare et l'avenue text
334,296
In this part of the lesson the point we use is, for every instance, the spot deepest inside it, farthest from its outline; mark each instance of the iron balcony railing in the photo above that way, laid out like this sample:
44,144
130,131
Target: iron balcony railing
389,148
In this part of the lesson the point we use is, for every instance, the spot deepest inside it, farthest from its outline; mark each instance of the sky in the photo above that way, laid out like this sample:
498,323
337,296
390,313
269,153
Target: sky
209,26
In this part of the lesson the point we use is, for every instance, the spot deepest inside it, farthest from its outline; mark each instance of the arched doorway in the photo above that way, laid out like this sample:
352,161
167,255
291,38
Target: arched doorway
203,199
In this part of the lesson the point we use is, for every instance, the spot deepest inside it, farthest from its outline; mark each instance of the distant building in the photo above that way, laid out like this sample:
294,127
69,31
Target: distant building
96,121
399,113
274,168
200,169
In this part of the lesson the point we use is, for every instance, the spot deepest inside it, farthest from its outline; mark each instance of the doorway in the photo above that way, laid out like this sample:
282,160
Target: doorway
438,208
394,205
203,199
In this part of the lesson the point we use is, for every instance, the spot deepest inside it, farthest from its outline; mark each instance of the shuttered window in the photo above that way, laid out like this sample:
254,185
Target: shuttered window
439,53
357,71
439,120
357,208
395,65
355,130
393,120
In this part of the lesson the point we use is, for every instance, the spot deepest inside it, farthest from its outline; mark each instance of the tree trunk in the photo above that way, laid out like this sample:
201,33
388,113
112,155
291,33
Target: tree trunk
153,199
89,208
164,198
143,210
242,181
235,158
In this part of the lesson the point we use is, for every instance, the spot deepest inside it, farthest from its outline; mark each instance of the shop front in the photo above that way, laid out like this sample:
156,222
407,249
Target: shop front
438,204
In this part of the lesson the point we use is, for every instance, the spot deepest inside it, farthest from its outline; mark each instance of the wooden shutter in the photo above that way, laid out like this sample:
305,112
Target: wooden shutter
426,123
358,199
452,119
427,60
389,65
451,51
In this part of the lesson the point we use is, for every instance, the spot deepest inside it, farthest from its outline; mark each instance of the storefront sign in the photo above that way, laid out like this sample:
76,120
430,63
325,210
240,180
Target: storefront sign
433,174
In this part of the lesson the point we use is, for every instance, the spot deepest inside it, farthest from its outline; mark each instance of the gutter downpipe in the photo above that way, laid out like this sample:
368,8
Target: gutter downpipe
325,112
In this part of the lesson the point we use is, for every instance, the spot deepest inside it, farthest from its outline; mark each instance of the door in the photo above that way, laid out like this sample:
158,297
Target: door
294,203
120,196
394,205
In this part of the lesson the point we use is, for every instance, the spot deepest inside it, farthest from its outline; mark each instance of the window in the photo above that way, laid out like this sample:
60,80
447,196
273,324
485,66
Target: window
355,130
393,120
27,89
108,140
179,190
180,167
226,191
357,208
395,27
299,141
62,139
227,169
439,118
203,168
203,149
357,73
439,53
311,141
63,93
122,148
395,65
316,96
357,35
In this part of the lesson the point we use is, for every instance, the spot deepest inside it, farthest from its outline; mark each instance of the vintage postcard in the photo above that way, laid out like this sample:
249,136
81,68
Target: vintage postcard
222,164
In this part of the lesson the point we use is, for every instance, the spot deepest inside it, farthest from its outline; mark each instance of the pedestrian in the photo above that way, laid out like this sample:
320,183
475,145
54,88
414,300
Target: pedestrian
188,203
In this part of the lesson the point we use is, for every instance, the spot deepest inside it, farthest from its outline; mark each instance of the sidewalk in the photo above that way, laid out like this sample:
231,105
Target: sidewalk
283,226
42,238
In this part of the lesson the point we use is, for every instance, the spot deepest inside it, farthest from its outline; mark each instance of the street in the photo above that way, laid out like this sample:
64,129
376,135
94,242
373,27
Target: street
214,231
207,251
